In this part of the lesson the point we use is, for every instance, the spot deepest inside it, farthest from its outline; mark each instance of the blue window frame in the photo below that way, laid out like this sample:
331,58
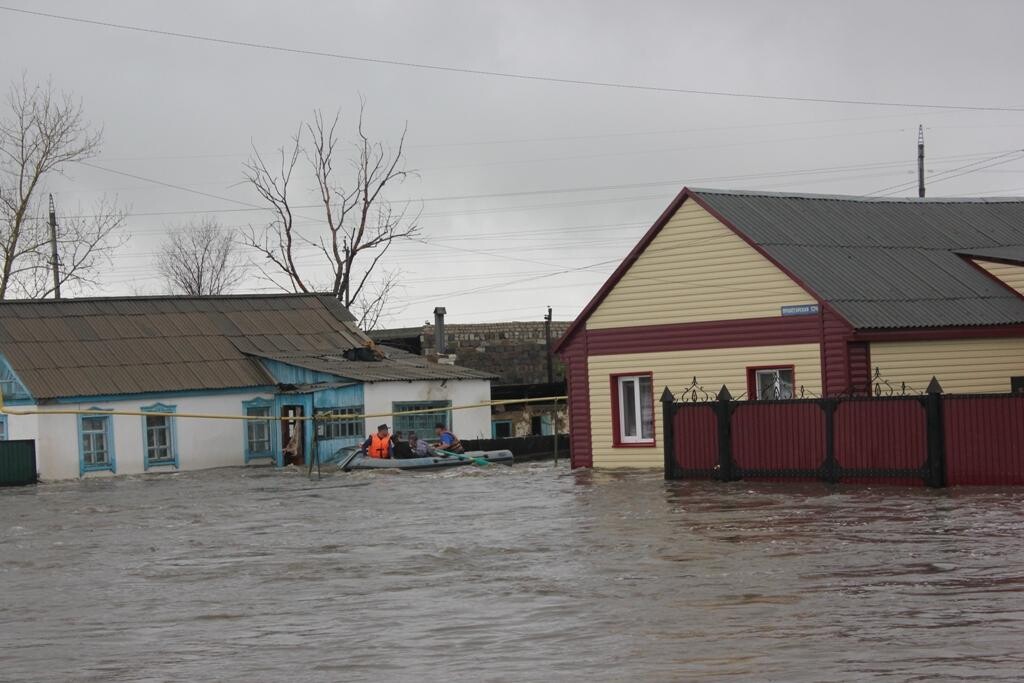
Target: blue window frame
421,423
159,436
4,434
258,434
96,442
501,429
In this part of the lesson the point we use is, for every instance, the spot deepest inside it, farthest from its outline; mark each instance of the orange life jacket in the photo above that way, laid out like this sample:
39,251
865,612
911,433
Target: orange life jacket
380,447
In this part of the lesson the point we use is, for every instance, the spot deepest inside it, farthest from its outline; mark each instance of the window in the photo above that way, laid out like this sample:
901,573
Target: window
3,428
339,427
1016,385
536,425
95,442
502,429
634,408
259,434
421,423
159,437
771,384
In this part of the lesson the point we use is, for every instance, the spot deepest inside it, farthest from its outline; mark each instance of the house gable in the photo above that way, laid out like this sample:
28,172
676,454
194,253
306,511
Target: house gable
1010,274
696,269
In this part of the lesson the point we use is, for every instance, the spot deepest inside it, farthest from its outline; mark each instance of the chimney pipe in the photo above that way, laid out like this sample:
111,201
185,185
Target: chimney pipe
440,340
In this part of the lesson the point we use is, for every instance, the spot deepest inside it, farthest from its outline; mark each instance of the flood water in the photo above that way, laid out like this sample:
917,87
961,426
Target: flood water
528,573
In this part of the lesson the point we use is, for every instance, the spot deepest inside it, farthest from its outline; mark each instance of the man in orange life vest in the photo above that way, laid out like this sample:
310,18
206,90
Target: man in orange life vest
379,445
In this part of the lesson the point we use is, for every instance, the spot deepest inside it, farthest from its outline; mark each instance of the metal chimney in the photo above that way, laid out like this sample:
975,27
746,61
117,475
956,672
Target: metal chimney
440,340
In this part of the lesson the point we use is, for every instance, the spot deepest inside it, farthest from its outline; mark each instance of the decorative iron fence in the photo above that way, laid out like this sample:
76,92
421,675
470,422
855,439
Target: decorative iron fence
882,434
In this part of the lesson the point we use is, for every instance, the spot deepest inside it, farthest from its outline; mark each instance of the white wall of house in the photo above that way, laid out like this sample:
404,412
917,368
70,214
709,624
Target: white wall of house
470,423
201,443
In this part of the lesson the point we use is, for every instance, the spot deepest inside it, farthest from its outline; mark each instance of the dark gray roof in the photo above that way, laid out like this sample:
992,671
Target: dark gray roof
399,366
138,345
886,263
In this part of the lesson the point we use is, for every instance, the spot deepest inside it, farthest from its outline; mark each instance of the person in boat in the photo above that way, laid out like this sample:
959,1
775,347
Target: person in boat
419,446
379,445
446,440
403,449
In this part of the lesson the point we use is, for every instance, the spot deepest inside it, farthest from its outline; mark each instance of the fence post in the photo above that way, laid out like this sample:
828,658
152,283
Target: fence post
723,410
830,468
935,466
668,436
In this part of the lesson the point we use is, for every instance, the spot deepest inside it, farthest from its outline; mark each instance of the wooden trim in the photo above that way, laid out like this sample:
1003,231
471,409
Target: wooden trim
940,333
718,334
617,441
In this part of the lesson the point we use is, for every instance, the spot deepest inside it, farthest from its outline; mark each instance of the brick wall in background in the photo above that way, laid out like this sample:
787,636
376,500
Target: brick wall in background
514,351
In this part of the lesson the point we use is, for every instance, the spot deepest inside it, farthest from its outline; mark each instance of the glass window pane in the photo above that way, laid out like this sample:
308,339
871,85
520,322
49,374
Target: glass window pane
628,407
647,407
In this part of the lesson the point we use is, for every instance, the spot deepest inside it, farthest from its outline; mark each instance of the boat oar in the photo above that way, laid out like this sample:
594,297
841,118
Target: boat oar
476,461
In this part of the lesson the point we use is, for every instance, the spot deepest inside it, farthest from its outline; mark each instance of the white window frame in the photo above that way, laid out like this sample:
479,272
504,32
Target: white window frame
636,382
778,383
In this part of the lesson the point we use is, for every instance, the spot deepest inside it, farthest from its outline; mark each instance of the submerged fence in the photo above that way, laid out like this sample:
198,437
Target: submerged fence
934,439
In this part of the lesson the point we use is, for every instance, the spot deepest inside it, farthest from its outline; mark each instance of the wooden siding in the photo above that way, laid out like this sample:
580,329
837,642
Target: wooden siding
1012,276
676,369
696,270
961,365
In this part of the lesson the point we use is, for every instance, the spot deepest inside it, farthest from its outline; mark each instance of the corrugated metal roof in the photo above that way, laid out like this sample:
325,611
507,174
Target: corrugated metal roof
887,263
97,347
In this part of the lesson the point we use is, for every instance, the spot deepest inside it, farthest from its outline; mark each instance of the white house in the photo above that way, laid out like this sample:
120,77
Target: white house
68,367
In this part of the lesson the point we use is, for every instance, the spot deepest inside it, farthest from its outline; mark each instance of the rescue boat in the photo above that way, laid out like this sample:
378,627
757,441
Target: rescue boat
355,459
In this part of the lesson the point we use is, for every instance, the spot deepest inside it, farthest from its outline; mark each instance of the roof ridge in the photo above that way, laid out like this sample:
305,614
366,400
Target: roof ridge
859,198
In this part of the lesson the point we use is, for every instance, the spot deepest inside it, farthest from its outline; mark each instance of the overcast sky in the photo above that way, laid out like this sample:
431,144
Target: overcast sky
573,173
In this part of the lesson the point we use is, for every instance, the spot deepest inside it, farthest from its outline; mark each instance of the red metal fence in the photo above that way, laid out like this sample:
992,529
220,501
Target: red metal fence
934,439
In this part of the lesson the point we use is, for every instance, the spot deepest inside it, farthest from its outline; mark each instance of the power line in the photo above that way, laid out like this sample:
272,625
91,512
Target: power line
499,74
524,193
892,189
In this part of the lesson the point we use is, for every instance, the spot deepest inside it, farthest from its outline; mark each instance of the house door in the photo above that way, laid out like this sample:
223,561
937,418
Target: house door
292,435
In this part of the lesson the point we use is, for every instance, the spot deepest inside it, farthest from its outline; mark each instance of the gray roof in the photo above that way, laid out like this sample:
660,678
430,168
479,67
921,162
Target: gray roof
143,345
887,263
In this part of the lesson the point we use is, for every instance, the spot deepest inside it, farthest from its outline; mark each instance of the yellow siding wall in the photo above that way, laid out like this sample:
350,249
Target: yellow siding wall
1012,276
696,270
676,369
965,365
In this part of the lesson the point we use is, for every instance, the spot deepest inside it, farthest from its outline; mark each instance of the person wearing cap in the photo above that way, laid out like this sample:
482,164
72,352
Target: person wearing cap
379,445
419,446
446,440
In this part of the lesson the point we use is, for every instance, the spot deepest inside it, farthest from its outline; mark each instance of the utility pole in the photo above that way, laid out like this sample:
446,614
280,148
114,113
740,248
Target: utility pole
920,161
54,262
547,345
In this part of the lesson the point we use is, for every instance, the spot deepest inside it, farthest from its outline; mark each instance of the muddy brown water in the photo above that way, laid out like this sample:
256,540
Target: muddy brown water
528,573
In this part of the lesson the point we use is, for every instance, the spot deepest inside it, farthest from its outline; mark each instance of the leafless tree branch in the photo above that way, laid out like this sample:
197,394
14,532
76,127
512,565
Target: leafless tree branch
359,224
200,259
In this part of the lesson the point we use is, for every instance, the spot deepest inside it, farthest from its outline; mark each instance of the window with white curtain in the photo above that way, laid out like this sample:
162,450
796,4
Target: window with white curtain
636,409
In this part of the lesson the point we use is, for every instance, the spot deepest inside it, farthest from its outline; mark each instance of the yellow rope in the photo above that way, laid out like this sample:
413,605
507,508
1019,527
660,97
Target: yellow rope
323,416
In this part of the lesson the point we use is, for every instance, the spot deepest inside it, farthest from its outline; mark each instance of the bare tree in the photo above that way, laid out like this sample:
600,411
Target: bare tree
200,259
44,130
358,224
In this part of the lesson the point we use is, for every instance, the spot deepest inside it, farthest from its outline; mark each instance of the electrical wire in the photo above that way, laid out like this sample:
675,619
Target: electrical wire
501,74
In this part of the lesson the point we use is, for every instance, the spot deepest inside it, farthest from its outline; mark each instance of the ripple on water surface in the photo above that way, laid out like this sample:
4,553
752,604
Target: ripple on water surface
523,573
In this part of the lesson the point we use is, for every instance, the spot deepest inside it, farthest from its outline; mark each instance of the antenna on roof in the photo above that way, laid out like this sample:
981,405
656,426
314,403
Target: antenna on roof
920,161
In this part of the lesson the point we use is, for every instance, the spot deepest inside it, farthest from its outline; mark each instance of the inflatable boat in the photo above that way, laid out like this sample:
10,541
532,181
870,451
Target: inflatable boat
355,459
